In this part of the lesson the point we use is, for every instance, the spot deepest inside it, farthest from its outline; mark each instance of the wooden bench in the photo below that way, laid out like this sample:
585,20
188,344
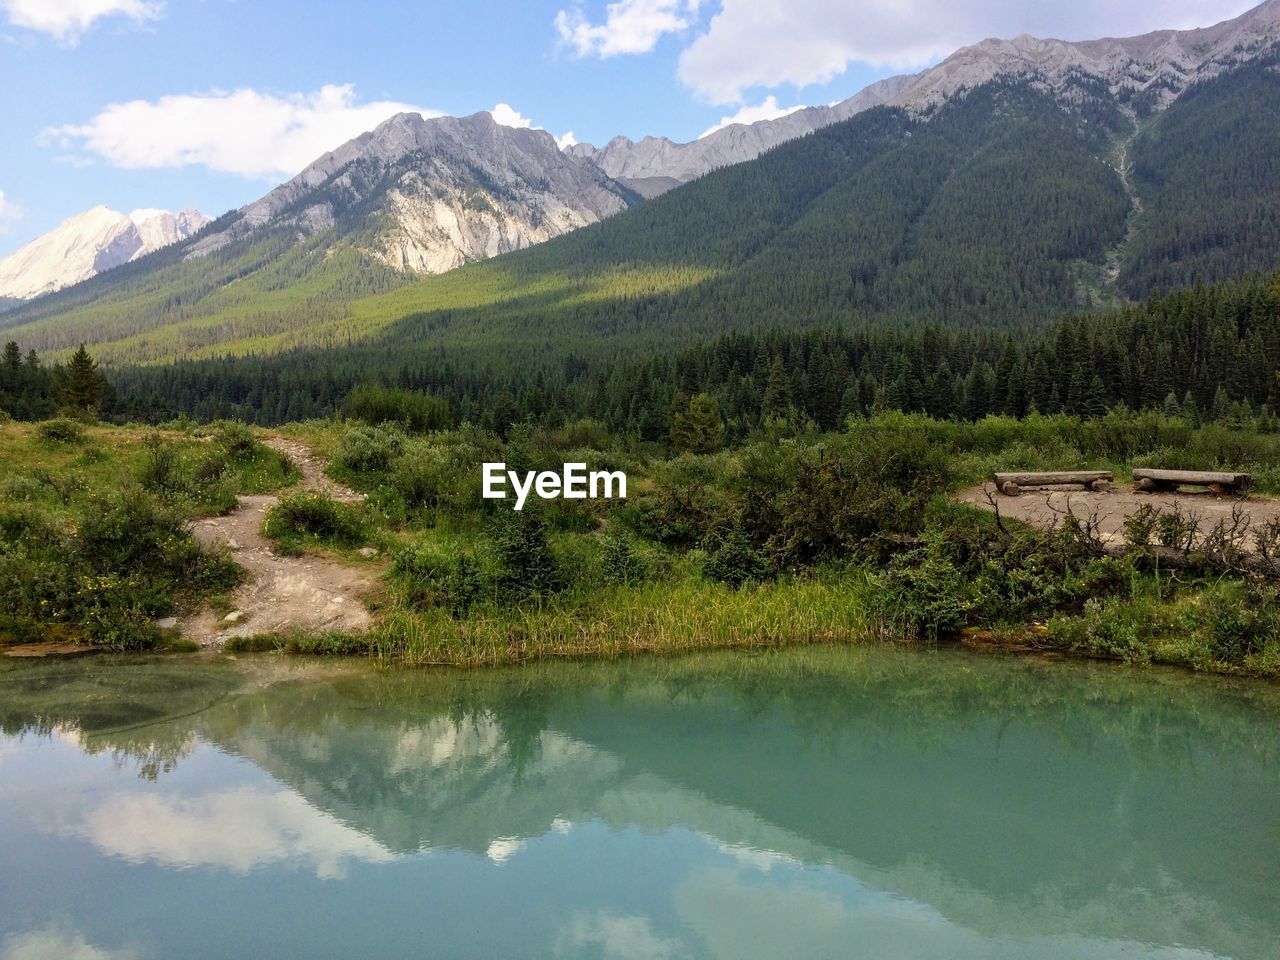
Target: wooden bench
1218,483
1011,484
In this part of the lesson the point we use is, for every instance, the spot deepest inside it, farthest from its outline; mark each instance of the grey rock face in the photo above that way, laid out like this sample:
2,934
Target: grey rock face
657,163
443,192
1149,70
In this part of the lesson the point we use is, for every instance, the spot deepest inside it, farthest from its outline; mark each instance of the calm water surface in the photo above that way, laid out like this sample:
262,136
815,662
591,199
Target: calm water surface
804,804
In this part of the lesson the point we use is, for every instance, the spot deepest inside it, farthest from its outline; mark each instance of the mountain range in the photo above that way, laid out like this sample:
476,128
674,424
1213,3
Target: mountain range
90,243
1016,180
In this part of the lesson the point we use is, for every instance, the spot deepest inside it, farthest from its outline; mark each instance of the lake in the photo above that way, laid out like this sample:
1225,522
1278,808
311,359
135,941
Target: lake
808,803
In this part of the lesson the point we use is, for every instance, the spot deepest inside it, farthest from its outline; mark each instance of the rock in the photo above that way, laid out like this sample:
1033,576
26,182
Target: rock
167,623
89,243
368,552
447,190
235,616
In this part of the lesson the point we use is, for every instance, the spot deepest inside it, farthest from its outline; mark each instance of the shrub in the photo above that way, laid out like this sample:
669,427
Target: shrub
440,575
689,506
116,613
30,527
421,480
161,466
369,449
854,494
619,562
235,440
61,430
528,567
23,487
309,515
130,533
1239,620
412,411
736,562
424,569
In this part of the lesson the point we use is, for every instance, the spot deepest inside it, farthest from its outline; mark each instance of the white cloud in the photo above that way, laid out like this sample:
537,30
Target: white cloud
66,20
504,848
244,131
769,43
509,116
630,26
55,944
10,212
767,109
239,830
615,937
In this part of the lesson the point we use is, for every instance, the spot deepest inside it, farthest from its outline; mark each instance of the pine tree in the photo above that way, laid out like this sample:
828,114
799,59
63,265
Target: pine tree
1189,408
82,385
1221,405
1093,404
699,427
777,395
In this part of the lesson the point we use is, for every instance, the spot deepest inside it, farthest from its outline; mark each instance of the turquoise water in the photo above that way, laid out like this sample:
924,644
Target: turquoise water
814,803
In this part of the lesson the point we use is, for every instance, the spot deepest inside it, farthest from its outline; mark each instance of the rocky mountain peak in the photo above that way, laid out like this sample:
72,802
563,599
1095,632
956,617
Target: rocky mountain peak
1145,72
88,244
442,191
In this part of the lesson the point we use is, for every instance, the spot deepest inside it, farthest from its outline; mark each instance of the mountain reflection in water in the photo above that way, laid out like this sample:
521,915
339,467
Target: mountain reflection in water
808,803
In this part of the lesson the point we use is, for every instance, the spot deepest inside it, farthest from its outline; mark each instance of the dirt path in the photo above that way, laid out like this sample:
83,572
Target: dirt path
1043,508
312,594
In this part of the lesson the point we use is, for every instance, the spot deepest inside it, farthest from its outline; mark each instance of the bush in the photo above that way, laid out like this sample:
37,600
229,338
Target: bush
412,411
528,567
1239,620
314,516
855,494
130,533
440,575
369,449
130,561
116,614
235,440
421,480
161,466
619,562
736,562
61,430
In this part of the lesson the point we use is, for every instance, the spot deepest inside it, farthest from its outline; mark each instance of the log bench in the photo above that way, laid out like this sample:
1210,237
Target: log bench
1011,484
1220,484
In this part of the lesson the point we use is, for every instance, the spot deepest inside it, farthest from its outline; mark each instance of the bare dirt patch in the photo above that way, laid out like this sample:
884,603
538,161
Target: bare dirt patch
307,593
1044,508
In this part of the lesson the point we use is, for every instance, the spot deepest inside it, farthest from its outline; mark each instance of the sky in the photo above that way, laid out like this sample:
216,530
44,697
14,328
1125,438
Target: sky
210,103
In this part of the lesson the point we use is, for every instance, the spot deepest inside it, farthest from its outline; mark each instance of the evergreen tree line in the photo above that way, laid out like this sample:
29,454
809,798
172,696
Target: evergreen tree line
31,391
1208,352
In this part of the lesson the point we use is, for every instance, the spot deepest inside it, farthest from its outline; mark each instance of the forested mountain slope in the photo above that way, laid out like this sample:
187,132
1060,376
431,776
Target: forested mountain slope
1207,351
1006,208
